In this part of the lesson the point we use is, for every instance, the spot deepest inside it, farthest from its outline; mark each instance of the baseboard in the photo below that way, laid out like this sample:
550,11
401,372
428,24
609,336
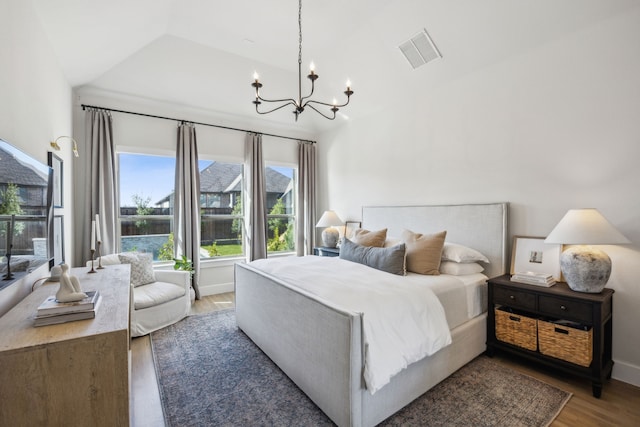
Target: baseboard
218,288
626,372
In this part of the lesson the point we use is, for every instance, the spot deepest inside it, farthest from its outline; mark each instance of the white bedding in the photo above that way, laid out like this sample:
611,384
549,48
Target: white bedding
403,320
476,286
463,298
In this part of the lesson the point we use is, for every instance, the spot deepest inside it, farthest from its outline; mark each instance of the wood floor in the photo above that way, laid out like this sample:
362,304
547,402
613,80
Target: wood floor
618,406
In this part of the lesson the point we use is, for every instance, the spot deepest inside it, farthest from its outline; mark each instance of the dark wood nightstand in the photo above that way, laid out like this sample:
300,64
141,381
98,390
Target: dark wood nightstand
558,302
325,251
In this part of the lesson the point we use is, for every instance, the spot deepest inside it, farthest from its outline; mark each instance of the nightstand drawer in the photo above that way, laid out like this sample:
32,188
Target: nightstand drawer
514,298
566,309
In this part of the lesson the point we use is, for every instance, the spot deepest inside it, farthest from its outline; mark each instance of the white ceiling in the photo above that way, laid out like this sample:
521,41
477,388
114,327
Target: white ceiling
202,53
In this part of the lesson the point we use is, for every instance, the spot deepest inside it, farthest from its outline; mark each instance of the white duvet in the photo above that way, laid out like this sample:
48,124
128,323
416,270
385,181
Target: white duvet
403,321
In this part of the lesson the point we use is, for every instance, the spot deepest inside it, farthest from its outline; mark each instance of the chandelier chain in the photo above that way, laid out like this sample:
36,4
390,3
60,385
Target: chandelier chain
300,32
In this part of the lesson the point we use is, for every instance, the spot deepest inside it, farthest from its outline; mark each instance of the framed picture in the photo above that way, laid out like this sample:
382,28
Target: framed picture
58,240
534,255
350,227
56,164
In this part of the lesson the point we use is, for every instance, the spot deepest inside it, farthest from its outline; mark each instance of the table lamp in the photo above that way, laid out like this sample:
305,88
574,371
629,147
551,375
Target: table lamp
585,268
330,235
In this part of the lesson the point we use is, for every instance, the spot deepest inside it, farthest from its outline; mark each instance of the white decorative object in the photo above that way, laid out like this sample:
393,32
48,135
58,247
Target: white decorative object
70,289
330,235
586,269
56,272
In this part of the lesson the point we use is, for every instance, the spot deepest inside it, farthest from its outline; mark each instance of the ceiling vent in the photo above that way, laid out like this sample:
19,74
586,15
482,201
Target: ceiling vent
419,49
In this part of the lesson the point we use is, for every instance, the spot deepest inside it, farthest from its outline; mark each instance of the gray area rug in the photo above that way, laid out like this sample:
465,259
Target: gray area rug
210,373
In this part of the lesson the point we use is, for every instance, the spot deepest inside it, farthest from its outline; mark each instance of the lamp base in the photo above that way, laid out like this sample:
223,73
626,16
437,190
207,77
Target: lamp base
586,269
330,237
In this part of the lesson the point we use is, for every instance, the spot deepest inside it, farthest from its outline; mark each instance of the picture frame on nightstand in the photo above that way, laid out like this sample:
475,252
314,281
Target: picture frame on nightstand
532,254
350,227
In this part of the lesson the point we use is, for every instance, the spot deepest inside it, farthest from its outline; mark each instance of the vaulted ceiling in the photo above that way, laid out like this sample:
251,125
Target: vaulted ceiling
202,53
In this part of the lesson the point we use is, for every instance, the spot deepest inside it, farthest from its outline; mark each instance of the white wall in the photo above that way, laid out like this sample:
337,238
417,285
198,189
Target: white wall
35,106
550,129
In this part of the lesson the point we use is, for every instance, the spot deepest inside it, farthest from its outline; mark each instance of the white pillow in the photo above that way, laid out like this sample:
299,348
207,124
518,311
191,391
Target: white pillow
460,253
460,269
391,242
141,267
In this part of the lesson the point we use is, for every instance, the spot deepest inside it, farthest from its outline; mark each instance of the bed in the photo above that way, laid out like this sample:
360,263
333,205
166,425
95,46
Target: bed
319,344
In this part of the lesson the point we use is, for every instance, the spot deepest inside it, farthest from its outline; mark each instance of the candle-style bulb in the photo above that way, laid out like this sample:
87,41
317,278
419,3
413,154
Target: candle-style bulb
98,234
255,76
348,84
335,102
312,67
93,235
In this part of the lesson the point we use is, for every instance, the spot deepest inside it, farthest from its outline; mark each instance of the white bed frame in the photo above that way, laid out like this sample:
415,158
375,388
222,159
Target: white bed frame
319,345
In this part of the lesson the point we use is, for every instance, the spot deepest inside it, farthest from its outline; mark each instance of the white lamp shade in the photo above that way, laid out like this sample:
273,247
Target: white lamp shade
585,227
329,219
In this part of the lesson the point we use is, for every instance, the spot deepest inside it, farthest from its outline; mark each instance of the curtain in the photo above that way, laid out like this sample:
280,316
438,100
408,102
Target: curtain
255,196
306,218
186,204
100,190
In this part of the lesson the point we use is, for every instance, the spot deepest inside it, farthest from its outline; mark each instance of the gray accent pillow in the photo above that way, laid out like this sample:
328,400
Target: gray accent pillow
141,267
390,259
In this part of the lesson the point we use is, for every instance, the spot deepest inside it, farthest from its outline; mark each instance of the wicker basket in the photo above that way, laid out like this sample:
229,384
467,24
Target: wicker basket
516,329
566,343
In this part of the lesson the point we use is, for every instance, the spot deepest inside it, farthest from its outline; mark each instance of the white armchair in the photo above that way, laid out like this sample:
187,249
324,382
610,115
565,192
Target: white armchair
158,304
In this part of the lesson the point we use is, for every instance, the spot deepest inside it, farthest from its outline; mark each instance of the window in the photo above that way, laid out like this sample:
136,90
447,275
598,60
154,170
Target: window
280,209
146,204
221,209
146,207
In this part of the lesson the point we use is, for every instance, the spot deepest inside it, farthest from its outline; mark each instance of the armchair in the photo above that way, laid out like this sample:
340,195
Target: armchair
158,304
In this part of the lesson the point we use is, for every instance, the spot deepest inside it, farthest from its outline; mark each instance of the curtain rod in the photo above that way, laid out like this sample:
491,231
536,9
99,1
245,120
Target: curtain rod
84,106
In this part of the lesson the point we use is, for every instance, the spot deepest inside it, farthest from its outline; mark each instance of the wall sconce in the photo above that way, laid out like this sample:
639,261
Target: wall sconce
55,145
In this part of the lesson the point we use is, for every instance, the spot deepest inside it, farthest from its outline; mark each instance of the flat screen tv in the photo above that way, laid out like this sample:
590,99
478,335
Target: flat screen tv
26,214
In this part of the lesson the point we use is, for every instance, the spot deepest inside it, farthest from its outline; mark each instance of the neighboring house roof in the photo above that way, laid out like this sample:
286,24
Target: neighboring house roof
17,172
217,177
220,177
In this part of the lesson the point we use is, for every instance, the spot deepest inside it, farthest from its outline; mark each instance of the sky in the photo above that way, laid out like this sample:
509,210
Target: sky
153,176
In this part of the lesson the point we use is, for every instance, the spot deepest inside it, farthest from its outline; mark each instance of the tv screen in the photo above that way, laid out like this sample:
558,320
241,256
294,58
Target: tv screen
26,214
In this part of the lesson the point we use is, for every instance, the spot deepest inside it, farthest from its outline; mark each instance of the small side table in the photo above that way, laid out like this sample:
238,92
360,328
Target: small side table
557,302
325,251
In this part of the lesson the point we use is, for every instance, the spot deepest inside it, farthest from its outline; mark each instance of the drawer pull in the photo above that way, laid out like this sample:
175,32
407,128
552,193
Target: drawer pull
561,331
511,297
514,318
562,307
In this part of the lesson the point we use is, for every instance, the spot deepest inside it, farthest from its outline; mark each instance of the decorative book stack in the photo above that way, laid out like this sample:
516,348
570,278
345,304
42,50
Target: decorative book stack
51,312
531,278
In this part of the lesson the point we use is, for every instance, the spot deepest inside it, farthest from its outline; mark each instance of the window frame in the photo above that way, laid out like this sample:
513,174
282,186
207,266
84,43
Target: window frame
147,151
231,216
294,205
139,151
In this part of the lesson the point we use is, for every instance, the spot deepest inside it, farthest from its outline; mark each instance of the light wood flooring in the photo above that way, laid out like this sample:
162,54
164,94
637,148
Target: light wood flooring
618,406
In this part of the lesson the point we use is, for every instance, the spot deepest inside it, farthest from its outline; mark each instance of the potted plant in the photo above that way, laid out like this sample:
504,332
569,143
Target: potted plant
183,264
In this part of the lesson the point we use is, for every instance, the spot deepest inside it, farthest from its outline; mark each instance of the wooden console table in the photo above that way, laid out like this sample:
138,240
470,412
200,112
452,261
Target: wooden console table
71,374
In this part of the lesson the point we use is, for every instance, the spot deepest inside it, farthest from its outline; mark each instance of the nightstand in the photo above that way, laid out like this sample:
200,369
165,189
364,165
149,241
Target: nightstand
325,251
539,315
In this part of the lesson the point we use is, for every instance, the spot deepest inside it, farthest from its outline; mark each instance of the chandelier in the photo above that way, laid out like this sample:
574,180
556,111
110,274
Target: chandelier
303,101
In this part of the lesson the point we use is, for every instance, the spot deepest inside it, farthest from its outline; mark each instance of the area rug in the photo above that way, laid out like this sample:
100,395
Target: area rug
210,373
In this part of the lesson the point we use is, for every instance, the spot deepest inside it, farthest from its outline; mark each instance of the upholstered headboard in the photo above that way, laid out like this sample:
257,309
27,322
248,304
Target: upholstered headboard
480,226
